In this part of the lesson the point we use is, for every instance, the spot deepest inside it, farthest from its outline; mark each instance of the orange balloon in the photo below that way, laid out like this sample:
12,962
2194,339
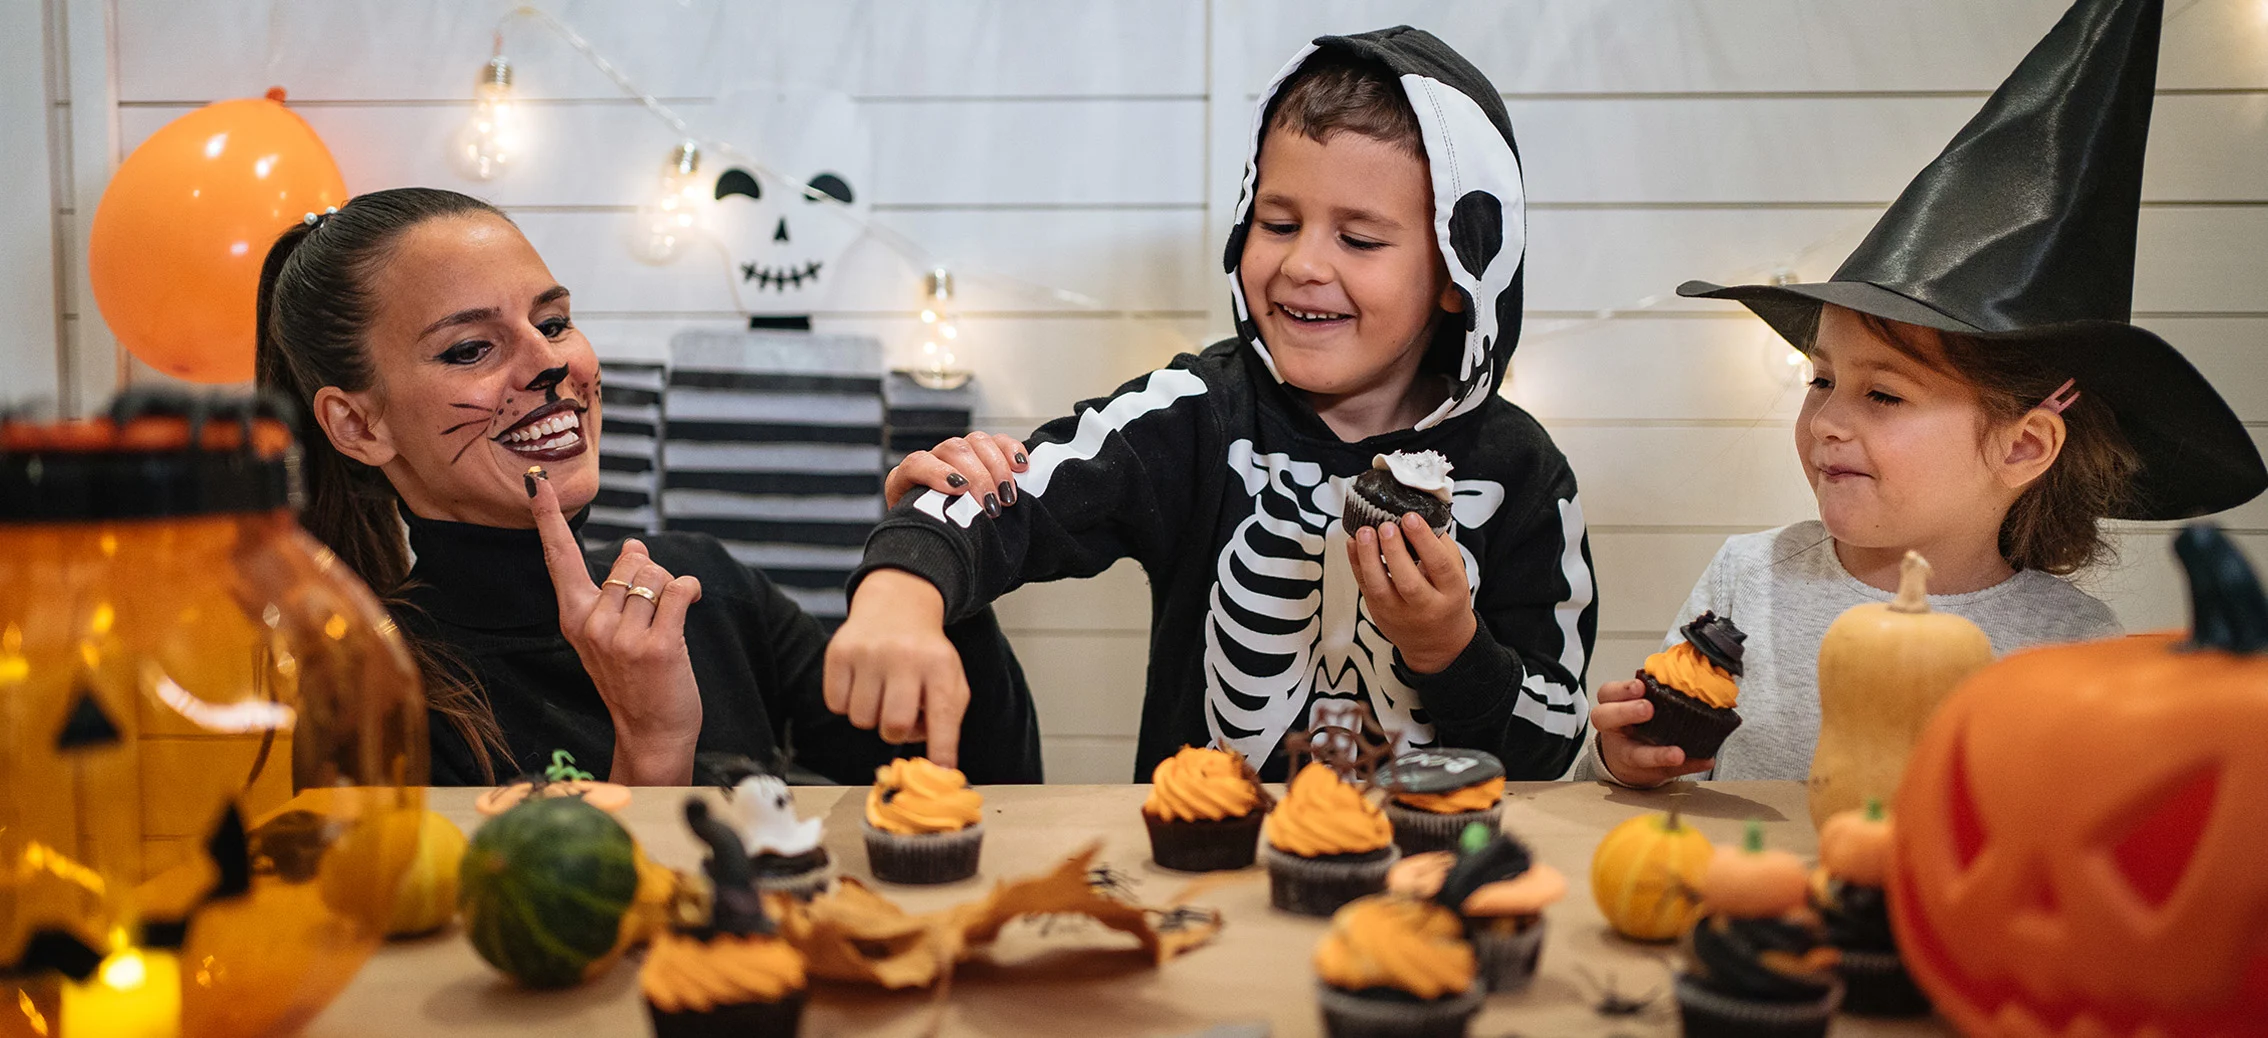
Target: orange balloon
174,256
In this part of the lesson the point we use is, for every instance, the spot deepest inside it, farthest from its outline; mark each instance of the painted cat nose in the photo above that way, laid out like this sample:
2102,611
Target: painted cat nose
780,234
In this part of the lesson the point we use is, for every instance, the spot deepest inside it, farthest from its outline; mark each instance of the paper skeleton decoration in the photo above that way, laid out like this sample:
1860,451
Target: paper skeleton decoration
785,228
768,824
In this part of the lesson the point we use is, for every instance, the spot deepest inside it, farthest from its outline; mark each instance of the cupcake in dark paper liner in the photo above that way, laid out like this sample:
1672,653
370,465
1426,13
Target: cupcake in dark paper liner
1498,890
1394,966
1325,844
1847,891
784,850
1204,810
1760,966
1692,687
1396,485
924,824
735,976
1432,795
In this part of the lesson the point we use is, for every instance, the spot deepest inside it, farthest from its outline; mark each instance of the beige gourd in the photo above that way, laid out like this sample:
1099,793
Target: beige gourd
1883,668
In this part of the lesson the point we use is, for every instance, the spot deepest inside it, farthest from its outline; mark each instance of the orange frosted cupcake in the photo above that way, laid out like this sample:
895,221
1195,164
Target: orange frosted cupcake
1327,844
1432,795
923,823
1204,811
1693,688
734,976
1395,966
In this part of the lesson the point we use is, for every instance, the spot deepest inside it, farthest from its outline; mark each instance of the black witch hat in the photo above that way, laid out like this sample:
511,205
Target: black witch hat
2022,233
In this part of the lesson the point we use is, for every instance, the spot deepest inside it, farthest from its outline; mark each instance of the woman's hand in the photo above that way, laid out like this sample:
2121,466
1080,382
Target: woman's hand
1420,602
982,461
1633,763
890,666
632,645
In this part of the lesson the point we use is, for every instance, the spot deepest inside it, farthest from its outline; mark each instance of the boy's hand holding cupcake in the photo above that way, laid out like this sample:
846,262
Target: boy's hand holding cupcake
1412,576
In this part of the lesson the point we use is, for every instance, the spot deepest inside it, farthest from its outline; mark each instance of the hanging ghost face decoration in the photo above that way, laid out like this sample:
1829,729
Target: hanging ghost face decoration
785,227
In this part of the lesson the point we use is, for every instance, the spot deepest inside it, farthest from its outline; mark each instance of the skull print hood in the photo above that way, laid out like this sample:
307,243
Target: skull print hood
1479,209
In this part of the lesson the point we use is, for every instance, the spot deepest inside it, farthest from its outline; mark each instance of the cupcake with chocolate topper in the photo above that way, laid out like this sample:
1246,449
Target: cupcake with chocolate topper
1397,485
924,824
1760,966
1432,795
1693,689
1395,966
734,976
1500,892
1204,810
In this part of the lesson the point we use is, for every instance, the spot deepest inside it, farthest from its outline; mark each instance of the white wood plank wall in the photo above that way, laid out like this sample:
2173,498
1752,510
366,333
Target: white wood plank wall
1089,145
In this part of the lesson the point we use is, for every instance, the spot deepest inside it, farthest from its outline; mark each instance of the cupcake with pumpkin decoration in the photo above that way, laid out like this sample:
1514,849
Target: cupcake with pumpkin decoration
1432,795
560,779
1326,844
1204,810
923,823
1847,891
1693,688
1395,966
1500,892
1761,968
735,976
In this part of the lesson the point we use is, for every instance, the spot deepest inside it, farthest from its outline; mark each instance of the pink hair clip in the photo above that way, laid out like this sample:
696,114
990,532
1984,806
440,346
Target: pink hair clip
2057,401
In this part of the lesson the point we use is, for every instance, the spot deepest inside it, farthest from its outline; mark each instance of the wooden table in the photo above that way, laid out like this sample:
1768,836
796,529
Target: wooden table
1256,973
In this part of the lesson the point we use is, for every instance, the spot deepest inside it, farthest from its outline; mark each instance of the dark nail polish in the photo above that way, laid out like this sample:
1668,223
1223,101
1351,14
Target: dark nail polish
955,480
992,505
1007,492
1020,459
528,478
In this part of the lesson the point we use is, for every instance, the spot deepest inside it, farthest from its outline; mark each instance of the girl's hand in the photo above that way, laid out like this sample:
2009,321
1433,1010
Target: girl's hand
982,461
1420,602
632,646
891,667
1633,763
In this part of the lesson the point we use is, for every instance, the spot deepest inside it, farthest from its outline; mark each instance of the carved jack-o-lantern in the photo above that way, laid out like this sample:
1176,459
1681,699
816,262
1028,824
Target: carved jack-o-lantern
2082,838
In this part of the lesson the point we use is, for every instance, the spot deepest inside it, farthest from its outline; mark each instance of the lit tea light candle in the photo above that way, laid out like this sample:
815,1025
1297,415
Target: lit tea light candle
134,994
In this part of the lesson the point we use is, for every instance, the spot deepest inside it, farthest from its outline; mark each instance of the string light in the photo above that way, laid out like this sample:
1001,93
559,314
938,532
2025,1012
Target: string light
485,144
941,329
674,212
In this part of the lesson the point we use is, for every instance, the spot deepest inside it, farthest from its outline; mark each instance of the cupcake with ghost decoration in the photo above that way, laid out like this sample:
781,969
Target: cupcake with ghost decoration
783,849
1396,485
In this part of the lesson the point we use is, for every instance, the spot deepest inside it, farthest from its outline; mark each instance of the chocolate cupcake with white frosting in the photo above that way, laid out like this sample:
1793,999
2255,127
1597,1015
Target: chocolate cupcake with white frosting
1396,485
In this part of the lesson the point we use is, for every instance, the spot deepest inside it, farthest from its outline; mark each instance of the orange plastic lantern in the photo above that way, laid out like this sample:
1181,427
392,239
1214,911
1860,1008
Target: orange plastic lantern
211,740
2082,830
175,251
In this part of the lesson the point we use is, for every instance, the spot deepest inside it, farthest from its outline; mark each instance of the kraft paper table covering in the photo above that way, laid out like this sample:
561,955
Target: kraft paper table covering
1258,971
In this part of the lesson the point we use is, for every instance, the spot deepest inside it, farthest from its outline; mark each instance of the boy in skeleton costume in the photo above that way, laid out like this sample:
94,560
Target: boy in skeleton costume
1376,267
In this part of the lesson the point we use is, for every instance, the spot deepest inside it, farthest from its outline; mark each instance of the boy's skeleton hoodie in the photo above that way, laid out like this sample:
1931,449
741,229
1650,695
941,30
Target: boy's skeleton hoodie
1227,487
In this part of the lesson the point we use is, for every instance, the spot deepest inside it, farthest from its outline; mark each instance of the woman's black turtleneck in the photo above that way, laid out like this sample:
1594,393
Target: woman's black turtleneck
481,595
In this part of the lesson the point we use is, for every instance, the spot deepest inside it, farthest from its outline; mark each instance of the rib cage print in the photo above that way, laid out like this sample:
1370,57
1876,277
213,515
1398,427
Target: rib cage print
1286,625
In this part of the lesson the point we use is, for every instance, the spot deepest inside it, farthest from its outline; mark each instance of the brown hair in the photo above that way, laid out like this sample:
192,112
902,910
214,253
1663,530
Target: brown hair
1335,92
314,304
2053,525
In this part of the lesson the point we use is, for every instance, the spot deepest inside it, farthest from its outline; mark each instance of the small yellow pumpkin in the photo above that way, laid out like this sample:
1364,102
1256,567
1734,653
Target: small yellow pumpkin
1854,846
1883,668
1754,883
427,899
1645,873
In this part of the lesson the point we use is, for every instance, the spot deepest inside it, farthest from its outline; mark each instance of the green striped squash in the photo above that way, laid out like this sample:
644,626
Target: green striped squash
544,887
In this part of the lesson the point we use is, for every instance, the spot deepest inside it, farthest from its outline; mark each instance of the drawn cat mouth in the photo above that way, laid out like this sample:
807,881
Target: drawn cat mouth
782,278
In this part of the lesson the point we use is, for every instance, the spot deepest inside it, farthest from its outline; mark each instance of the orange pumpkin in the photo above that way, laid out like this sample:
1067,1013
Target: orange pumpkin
1645,873
1754,883
2082,829
1854,846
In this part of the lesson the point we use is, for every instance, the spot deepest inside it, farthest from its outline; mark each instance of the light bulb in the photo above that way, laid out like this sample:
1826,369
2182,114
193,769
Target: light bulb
939,321
490,136
674,211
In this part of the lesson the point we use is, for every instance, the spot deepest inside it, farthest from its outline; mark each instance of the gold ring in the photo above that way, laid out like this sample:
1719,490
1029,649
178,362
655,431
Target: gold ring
646,593
610,582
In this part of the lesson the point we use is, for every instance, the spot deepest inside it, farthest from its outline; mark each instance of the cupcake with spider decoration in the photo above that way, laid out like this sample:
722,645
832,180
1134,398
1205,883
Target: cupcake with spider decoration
1433,794
1399,484
1693,687
734,976
924,825
1395,966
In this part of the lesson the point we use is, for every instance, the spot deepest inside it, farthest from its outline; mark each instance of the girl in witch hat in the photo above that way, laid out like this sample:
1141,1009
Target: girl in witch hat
1981,397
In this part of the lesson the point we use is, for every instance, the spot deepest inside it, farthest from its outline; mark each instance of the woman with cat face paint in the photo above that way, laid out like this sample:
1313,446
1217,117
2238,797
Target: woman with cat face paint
451,415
